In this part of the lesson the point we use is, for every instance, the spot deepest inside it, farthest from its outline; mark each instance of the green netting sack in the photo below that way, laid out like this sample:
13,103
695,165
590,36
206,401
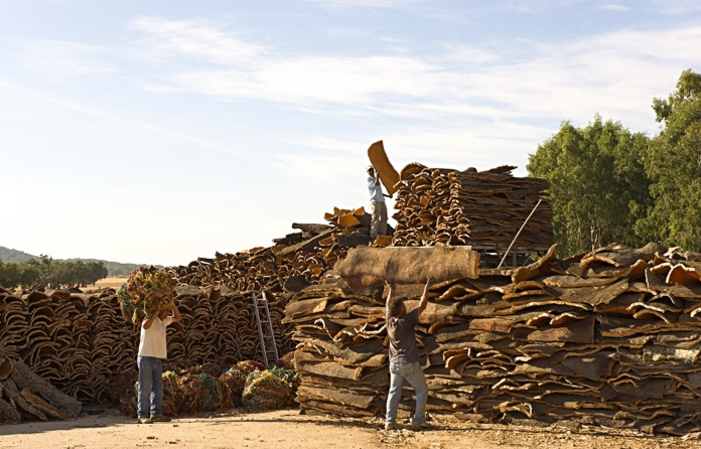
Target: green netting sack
232,382
212,399
170,393
190,394
269,389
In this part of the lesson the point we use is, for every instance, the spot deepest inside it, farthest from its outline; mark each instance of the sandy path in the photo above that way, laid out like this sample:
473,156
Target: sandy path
111,282
289,429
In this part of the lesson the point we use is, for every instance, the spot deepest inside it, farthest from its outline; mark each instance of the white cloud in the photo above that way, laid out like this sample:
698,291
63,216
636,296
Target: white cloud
548,80
529,6
614,7
518,88
346,80
365,3
470,54
675,7
199,39
114,119
346,33
60,59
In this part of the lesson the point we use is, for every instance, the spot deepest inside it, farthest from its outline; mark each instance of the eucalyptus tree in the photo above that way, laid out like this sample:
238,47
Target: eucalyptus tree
598,187
674,167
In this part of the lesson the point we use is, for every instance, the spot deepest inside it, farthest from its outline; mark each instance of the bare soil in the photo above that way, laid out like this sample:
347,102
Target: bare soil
289,429
114,283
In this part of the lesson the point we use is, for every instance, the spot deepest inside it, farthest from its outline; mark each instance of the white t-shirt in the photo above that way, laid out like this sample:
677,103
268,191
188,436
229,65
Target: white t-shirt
153,339
375,191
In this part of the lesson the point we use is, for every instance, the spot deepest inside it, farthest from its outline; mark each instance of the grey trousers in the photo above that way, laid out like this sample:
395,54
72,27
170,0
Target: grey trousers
378,225
412,373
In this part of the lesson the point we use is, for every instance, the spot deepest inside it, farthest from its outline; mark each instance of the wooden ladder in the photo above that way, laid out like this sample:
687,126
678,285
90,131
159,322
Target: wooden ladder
267,340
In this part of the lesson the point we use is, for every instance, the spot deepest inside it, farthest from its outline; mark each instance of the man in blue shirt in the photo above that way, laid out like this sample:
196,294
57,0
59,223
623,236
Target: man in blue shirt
378,225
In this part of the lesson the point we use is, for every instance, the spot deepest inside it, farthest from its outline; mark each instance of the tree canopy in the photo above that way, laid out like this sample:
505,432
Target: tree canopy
609,184
116,269
598,187
673,164
48,272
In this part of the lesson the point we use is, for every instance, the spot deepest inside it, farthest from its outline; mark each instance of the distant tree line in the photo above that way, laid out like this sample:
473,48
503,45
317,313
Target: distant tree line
46,272
608,184
115,269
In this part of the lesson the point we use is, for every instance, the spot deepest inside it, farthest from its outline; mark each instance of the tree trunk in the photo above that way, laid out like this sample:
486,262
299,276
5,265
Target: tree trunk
25,378
25,390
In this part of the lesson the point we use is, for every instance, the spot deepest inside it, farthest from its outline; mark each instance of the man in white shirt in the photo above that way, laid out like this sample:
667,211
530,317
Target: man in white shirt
378,224
152,351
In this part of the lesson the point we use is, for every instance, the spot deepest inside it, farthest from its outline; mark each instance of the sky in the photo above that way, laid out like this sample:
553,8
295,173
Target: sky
157,131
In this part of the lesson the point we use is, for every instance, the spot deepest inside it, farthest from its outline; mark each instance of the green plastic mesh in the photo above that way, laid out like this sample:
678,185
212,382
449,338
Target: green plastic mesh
192,392
233,382
213,399
269,389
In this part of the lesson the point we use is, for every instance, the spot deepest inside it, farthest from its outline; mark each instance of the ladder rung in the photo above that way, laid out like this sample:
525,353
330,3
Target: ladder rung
269,334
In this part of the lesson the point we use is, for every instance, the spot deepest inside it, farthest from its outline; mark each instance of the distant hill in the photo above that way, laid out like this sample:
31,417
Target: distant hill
115,269
14,256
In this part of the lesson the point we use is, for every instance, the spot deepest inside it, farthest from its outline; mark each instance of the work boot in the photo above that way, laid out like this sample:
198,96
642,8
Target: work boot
144,420
159,418
390,426
420,426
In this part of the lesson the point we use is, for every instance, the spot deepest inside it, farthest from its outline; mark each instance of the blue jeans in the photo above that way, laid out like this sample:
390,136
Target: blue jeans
150,384
412,373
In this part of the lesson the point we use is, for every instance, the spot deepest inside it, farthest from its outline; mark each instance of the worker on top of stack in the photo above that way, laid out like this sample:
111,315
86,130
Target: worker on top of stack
378,225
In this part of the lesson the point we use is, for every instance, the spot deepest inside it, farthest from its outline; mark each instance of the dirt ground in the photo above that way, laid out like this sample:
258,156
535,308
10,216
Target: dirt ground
289,429
114,283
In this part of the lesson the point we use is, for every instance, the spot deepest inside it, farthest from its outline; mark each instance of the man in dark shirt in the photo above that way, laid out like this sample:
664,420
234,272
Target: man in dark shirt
404,358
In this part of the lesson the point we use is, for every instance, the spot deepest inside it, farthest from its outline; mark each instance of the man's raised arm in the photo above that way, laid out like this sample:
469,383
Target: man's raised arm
390,294
176,314
424,297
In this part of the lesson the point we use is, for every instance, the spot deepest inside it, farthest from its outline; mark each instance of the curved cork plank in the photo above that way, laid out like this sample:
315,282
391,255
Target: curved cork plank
364,266
388,175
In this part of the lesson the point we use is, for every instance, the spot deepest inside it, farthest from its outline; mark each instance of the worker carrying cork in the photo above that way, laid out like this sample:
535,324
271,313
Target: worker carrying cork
378,225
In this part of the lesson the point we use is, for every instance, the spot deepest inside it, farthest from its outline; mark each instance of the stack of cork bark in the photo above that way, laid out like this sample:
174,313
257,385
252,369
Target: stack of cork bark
340,358
75,341
482,209
298,259
79,342
219,326
610,338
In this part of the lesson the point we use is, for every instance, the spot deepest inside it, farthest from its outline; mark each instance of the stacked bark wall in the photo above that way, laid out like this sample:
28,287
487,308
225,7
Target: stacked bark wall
609,338
79,342
481,209
299,258
75,341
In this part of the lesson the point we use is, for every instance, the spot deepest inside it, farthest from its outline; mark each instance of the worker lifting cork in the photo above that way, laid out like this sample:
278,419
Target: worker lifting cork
378,225
404,357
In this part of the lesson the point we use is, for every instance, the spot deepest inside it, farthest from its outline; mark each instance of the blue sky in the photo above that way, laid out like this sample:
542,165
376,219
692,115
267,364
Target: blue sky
159,131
